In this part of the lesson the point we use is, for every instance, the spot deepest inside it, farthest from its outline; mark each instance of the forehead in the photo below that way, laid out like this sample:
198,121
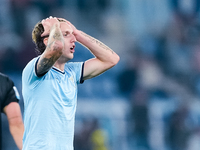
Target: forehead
65,26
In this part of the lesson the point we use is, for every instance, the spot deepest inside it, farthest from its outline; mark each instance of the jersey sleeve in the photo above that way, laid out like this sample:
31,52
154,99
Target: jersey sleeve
29,75
77,68
11,93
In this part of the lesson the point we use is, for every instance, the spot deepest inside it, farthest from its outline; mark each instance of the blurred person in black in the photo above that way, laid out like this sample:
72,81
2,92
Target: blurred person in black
140,118
9,98
178,132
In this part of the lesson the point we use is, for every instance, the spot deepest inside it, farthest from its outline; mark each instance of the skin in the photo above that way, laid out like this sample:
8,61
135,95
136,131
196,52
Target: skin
15,122
62,37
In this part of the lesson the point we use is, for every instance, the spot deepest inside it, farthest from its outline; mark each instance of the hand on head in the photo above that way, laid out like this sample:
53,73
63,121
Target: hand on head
48,23
73,27
70,24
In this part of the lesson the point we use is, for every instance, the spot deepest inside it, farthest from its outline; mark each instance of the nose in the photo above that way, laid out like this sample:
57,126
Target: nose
73,39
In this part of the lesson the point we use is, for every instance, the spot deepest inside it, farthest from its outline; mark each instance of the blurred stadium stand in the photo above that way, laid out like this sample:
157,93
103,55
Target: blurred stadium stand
150,100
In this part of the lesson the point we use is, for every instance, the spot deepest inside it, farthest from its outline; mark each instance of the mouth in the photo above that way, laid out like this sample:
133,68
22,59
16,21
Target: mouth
72,49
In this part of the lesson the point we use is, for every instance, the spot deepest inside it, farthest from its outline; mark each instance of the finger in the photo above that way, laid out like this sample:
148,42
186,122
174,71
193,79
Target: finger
44,21
46,32
68,23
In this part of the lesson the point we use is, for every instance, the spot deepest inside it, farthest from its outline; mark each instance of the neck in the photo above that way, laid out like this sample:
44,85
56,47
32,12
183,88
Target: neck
59,66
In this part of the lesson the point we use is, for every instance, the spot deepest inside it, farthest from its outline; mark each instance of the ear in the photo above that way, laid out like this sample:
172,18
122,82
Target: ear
45,40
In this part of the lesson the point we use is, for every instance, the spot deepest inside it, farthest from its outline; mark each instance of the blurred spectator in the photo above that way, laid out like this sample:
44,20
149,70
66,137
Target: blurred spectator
178,133
140,119
98,137
128,77
82,139
91,136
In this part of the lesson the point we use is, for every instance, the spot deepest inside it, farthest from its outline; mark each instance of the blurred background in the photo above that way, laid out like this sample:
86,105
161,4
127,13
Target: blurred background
150,99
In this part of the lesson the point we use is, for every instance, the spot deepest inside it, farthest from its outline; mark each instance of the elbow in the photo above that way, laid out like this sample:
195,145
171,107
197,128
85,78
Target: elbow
115,60
17,121
16,125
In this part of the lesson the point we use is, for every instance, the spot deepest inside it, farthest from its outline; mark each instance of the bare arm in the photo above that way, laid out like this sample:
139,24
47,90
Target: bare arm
15,121
54,45
105,58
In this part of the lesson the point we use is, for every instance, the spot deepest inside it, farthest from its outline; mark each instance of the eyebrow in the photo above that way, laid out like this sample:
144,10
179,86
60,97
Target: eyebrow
68,32
61,20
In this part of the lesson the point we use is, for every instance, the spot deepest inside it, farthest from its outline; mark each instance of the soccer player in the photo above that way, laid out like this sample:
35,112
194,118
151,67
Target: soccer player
49,83
9,98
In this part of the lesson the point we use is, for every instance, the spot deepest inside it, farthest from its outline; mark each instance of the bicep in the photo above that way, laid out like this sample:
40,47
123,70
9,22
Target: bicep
94,67
12,111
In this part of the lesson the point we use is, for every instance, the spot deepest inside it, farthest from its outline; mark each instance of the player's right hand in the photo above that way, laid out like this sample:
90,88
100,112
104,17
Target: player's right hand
48,24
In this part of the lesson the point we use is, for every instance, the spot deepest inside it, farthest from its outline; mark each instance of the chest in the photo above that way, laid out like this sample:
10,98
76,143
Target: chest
59,85
66,82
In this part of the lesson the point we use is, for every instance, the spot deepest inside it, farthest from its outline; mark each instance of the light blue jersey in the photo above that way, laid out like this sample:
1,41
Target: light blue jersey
49,106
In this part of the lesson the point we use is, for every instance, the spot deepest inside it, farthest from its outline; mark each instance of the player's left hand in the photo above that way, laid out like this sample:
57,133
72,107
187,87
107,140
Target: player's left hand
73,28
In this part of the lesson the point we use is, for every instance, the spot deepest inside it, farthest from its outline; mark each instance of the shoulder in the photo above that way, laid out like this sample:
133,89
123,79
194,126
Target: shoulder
30,65
28,73
73,65
75,68
32,62
3,76
5,79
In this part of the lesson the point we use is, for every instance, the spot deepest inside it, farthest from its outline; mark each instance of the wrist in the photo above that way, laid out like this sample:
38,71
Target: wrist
76,32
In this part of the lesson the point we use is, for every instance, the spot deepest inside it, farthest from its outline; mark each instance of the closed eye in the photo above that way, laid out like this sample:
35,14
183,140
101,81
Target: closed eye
66,33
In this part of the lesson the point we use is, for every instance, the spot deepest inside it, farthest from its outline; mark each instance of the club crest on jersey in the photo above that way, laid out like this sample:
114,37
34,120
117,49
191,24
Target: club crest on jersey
72,81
